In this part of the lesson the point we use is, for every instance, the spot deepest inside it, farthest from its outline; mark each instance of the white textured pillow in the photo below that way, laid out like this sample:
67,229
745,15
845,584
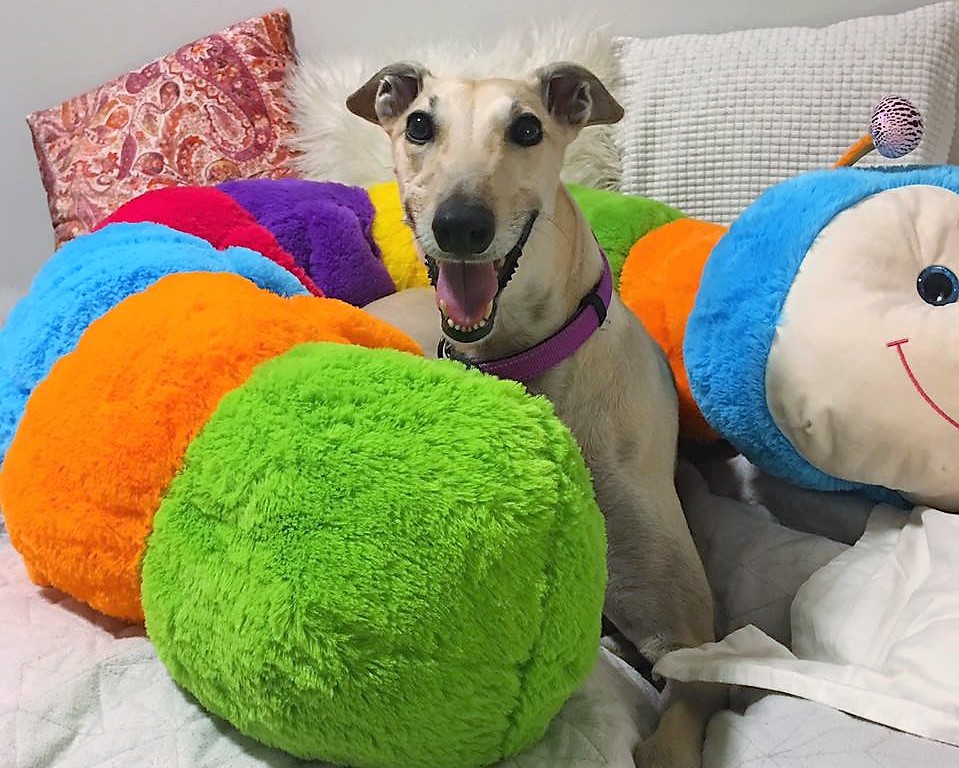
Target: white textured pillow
712,120
339,146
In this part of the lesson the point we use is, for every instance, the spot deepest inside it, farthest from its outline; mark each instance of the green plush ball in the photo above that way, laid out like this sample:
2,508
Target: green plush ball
378,560
619,220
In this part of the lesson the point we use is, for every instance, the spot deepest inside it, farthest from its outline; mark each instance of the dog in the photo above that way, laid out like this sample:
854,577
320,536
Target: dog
512,261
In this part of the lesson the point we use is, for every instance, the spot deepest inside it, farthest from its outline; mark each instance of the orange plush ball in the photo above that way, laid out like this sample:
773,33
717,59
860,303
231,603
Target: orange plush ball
659,283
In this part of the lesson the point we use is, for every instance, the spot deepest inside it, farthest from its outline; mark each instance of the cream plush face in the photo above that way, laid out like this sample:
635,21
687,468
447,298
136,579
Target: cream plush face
863,374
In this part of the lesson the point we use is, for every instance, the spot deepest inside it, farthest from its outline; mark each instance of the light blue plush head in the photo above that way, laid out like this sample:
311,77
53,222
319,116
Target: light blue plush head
824,341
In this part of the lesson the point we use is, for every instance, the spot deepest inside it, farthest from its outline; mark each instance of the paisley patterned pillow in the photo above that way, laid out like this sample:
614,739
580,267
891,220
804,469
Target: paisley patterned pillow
211,111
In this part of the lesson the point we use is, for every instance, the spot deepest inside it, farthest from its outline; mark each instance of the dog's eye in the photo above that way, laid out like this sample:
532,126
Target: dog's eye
938,285
526,131
419,128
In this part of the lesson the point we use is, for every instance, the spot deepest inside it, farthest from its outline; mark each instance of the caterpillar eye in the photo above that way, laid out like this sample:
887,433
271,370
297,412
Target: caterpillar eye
938,285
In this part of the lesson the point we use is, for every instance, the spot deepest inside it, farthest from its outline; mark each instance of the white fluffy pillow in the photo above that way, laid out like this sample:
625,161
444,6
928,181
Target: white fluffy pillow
712,120
339,146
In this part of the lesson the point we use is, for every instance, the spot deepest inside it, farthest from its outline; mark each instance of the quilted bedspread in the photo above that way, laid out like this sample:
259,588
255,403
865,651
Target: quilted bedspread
80,690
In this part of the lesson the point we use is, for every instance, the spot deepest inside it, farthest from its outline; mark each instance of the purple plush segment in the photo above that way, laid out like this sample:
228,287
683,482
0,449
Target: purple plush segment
327,228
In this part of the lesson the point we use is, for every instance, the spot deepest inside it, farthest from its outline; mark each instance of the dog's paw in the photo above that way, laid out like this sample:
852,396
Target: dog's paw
661,751
678,741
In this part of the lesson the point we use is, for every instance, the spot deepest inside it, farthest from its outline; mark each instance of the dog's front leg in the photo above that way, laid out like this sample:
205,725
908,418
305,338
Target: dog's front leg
657,594
658,597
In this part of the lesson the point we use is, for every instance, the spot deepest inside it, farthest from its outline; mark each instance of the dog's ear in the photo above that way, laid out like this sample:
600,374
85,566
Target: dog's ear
389,93
575,96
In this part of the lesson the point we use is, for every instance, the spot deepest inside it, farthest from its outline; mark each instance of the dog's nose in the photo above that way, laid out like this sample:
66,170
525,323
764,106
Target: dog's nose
463,226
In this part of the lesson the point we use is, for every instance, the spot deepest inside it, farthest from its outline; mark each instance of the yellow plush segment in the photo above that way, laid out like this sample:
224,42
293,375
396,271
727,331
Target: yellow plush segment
395,239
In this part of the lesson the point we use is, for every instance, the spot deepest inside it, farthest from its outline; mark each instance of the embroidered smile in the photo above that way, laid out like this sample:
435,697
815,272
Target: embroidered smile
898,344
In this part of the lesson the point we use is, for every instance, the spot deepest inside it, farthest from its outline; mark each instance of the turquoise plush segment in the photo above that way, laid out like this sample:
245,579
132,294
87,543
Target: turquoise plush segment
743,289
85,279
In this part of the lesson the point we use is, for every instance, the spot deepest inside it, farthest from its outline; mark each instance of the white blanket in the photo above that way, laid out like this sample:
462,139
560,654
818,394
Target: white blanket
779,731
874,631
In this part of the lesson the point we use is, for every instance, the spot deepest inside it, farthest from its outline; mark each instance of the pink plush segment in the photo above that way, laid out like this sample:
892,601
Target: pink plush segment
212,215
210,111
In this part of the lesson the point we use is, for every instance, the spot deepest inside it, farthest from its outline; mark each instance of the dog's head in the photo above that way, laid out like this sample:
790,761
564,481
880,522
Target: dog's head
476,161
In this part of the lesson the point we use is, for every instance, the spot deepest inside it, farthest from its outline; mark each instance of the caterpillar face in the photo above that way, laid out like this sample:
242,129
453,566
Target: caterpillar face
858,377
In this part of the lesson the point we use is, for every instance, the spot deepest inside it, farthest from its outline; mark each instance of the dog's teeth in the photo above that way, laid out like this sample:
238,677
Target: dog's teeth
443,306
466,328
489,311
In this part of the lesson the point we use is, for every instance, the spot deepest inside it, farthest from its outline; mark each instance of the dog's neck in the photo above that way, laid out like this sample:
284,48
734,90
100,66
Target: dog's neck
559,265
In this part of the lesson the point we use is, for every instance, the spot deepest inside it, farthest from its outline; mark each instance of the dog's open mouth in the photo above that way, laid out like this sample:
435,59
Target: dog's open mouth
466,294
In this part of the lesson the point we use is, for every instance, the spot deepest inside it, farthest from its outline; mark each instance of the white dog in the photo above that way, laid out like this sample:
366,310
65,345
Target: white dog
523,291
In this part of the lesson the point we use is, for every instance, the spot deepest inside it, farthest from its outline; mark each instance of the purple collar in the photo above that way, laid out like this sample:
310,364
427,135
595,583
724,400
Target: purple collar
527,365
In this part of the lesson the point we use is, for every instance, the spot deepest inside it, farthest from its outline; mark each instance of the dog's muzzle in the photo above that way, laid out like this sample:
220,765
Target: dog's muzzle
467,292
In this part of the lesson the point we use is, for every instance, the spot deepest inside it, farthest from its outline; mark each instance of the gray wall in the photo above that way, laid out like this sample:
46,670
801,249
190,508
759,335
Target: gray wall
54,49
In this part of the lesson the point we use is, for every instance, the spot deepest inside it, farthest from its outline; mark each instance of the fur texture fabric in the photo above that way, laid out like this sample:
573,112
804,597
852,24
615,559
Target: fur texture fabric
89,276
339,146
395,238
345,568
107,429
213,215
328,229
744,286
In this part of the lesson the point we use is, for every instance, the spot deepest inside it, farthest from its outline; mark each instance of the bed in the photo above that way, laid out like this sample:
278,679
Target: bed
78,689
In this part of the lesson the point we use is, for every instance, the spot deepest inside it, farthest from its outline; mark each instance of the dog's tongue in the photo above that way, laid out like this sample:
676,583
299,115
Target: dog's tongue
467,290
